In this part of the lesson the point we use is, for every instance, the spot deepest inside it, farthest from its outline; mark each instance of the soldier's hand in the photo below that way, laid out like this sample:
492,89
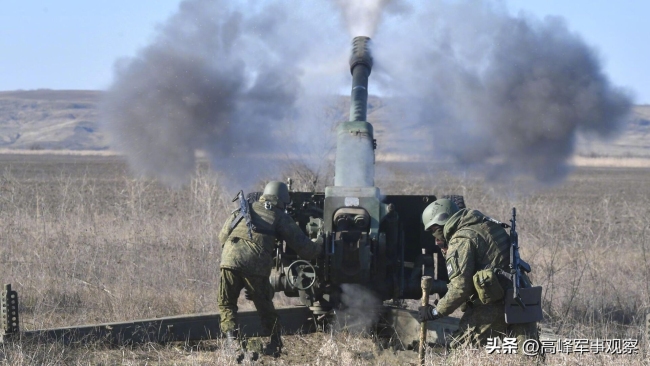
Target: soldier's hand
428,312
247,295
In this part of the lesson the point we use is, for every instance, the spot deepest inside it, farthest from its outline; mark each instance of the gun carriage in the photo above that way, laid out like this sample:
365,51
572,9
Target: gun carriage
370,240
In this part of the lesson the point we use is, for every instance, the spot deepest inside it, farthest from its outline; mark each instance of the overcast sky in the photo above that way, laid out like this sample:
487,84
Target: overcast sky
73,44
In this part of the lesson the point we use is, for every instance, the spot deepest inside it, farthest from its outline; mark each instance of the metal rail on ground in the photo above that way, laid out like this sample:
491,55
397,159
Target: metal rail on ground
398,325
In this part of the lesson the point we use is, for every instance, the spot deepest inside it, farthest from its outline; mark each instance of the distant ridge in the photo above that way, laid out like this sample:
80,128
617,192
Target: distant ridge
46,119
50,119
54,95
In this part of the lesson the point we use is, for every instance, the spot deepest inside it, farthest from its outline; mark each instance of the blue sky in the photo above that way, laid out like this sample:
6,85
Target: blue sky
73,44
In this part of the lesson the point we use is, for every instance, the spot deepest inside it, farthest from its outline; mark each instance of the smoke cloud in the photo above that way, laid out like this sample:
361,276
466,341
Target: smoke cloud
234,79
254,83
360,308
363,16
507,95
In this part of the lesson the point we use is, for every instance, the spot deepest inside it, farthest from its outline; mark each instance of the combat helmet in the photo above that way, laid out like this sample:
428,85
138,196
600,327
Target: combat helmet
438,212
280,190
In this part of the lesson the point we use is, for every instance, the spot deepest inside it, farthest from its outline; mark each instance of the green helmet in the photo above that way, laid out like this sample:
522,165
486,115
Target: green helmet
438,212
280,190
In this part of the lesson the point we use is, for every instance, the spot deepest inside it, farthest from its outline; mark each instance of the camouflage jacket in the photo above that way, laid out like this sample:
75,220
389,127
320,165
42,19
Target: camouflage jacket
254,257
474,245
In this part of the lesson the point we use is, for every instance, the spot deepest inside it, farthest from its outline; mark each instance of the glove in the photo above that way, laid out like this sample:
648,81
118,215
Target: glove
428,312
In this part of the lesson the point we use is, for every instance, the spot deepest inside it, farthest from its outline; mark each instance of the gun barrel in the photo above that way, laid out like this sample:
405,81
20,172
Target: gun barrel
355,147
360,68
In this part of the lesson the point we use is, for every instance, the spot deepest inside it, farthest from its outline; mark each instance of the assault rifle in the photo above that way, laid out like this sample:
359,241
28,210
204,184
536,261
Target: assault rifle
244,213
516,263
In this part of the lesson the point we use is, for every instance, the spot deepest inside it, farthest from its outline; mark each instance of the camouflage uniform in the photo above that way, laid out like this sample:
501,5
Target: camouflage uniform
473,245
247,263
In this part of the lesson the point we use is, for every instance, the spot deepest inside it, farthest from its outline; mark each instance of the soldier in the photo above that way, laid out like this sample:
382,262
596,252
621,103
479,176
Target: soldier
246,262
470,242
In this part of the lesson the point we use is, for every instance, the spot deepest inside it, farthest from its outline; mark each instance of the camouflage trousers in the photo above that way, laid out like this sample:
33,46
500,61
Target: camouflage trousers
259,290
481,322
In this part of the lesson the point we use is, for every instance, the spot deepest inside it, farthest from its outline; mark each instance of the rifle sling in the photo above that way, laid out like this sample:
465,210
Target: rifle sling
236,220
254,228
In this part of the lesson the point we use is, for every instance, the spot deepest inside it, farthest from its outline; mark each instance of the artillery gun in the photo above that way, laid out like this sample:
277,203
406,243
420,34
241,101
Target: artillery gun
372,240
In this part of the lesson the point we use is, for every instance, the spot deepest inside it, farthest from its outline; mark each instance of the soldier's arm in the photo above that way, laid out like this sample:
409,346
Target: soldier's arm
296,239
225,230
460,265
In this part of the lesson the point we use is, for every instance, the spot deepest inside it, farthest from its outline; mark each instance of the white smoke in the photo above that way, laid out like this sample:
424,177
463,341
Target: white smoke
362,17
360,310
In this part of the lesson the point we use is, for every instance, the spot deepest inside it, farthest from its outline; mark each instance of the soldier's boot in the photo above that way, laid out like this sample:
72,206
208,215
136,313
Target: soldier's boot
231,343
274,347
230,338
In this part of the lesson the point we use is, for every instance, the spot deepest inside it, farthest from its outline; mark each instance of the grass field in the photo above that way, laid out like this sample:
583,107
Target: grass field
83,241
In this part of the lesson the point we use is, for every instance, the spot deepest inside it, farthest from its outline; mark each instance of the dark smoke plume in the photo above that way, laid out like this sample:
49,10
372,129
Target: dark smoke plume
247,82
492,90
252,83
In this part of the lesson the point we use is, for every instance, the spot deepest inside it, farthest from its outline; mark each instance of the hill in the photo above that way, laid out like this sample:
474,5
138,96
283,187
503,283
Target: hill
69,120
50,119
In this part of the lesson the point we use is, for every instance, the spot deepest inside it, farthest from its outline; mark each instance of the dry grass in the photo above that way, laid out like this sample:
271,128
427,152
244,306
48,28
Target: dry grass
85,242
587,240
82,248
320,349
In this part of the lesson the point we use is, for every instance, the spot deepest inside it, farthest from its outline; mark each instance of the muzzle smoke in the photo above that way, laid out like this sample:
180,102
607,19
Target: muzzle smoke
363,16
252,83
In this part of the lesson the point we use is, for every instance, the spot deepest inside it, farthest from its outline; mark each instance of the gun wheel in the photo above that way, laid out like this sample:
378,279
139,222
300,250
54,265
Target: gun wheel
311,273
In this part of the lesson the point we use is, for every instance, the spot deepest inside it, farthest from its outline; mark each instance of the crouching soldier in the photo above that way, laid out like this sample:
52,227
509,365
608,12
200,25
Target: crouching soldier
475,248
